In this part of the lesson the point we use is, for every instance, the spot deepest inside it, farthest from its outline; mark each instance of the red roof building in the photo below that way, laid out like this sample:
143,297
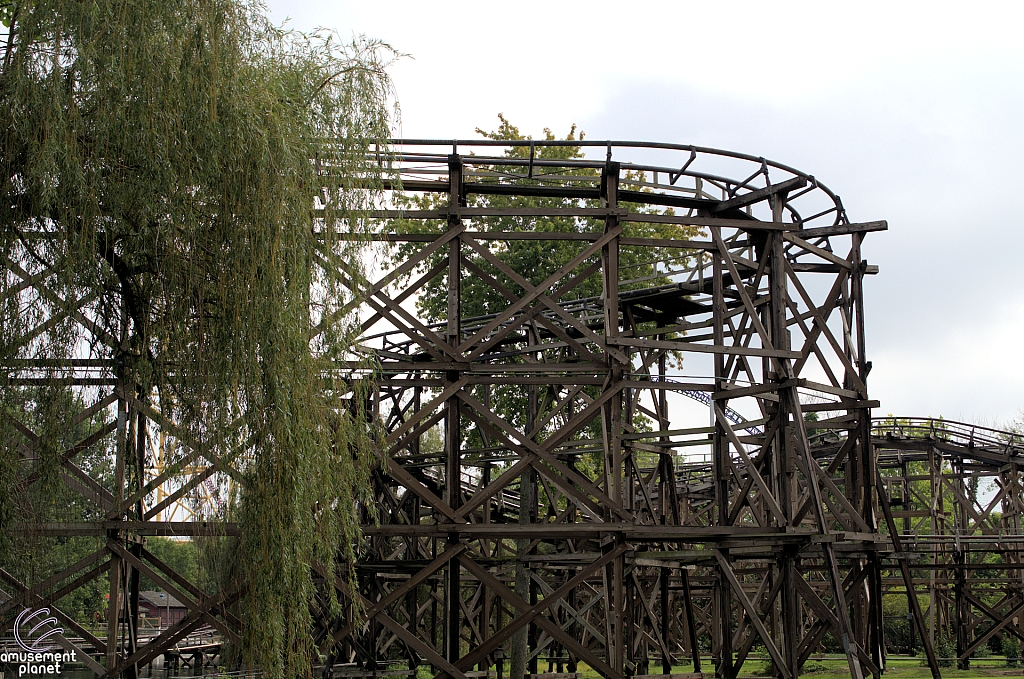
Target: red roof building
163,606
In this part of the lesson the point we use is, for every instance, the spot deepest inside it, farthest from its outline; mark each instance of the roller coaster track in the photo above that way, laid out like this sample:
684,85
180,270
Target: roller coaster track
984,443
557,471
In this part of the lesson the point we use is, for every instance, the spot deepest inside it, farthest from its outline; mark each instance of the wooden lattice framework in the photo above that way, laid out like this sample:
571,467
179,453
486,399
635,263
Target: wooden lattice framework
798,530
602,524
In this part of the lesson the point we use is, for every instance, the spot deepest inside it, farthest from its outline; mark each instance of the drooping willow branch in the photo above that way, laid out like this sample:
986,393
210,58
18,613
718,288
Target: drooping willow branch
161,168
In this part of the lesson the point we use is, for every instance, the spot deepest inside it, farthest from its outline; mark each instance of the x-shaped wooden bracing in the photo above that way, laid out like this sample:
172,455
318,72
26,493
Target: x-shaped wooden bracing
203,609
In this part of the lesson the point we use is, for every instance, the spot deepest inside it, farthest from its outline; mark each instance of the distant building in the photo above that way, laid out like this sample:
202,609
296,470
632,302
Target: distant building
163,606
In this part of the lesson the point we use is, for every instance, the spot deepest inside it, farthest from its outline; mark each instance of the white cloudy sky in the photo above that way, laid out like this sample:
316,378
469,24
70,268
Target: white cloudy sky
912,112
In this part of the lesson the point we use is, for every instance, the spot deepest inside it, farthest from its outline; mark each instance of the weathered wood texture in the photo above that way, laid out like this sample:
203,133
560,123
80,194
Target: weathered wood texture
552,491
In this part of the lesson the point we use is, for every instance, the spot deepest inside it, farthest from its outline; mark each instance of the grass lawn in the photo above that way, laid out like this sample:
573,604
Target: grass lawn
835,667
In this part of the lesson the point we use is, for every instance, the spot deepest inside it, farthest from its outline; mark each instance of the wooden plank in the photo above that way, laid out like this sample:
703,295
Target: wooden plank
843,229
821,252
375,607
758,195
752,613
43,587
668,243
421,647
702,348
94,528
185,584
741,288
482,495
531,613
448,392
171,588
581,350
543,452
745,224
402,296
543,299
821,325
360,293
591,251
56,595
752,470
396,471
628,531
757,389
173,634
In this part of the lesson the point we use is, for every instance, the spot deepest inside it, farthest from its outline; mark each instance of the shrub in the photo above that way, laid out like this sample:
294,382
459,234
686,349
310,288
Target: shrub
830,644
1011,649
945,651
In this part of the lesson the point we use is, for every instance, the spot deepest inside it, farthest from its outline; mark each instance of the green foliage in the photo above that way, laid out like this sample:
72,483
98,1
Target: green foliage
830,644
54,415
945,651
183,166
917,494
1011,649
7,8
814,667
181,555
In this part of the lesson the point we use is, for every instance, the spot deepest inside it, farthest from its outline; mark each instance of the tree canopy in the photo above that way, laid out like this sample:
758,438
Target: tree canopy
172,171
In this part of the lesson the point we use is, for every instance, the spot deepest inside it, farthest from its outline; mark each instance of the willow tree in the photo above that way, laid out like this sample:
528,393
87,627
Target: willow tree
180,168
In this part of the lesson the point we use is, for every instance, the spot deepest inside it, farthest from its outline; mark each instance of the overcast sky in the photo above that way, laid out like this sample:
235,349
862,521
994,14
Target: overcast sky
911,112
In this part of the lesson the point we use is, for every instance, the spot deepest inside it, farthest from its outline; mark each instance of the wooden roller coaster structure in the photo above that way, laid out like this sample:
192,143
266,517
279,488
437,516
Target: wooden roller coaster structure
553,486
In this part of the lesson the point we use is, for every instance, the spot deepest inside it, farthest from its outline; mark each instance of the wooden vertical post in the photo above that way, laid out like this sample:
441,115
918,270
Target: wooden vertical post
778,329
613,413
114,592
691,621
720,473
453,425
